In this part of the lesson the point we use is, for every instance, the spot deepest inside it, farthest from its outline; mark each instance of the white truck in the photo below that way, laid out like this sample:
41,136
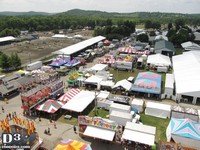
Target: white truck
121,118
34,66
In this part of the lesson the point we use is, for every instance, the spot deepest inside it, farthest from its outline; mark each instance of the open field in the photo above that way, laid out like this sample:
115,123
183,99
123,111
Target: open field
42,47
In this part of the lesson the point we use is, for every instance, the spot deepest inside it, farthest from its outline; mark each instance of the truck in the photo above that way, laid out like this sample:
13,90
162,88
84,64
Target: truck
34,66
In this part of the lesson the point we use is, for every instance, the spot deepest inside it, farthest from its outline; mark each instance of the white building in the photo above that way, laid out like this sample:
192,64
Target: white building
169,85
190,46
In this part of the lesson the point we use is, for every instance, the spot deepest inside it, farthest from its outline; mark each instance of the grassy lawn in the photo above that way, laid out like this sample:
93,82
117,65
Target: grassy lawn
160,124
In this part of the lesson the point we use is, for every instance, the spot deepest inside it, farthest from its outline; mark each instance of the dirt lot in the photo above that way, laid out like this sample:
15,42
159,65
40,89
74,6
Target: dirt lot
42,47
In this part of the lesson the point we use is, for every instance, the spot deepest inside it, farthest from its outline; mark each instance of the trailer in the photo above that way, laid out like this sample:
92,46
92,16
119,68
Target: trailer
121,118
34,66
120,107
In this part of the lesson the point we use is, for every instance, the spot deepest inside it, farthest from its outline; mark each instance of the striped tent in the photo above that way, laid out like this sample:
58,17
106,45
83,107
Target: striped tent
128,50
69,95
50,106
69,144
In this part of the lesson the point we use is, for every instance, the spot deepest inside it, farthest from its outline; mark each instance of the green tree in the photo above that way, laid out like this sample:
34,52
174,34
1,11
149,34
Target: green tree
143,38
5,63
56,31
169,26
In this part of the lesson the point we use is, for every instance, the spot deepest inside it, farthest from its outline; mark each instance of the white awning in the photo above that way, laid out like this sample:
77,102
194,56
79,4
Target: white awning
99,133
94,79
80,101
99,67
123,83
140,137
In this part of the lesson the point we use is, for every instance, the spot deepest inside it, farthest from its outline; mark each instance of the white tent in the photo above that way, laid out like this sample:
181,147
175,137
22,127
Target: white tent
80,101
120,107
107,83
124,84
7,38
158,60
161,37
169,85
190,46
187,74
99,67
184,131
95,80
120,117
139,133
102,100
59,36
158,110
100,133
137,104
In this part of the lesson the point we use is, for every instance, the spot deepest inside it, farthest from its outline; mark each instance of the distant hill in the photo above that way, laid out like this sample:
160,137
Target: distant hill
94,13
30,13
142,15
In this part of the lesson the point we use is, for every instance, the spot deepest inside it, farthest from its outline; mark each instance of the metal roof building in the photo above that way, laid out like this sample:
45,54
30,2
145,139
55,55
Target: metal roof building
70,50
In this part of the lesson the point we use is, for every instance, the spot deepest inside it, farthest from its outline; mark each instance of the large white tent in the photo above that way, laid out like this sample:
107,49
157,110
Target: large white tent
158,110
99,67
80,101
139,133
7,38
184,131
124,84
100,133
120,117
120,107
187,74
95,80
159,60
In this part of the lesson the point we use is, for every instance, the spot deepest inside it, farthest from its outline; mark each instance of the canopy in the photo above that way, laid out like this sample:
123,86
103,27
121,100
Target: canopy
80,101
59,62
184,131
69,95
99,67
72,63
69,144
158,110
139,133
190,46
50,106
124,84
99,133
159,60
147,82
137,104
94,80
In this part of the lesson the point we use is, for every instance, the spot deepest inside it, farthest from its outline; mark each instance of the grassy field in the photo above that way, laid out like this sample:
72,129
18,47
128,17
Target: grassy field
160,124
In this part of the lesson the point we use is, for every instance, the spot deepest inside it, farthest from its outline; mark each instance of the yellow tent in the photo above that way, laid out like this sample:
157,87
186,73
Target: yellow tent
71,145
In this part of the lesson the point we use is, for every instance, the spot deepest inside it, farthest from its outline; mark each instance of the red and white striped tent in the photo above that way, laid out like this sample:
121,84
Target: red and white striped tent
50,106
146,52
69,95
108,59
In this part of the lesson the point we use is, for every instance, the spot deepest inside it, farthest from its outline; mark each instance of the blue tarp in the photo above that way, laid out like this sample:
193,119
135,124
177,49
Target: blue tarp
72,63
59,62
185,128
148,82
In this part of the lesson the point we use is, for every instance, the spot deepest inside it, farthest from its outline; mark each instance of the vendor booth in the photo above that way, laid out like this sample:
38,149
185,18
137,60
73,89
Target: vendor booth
59,61
94,81
159,60
97,127
184,113
120,107
107,59
184,131
124,62
158,110
149,83
120,117
169,85
107,85
125,100
99,67
137,104
102,100
72,63
80,101
139,133
123,85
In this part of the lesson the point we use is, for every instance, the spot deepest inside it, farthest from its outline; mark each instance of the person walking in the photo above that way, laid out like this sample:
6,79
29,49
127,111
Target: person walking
2,109
75,129
48,130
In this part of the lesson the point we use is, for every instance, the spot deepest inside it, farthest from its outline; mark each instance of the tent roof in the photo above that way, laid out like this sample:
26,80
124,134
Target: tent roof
99,133
80,101
120,106
164,44
158,106
147,82
190,46
186,73
185,128
161,37
159,60
103,94
99,67
69,95
120,114
137,101
79,46
59,36
94,79
107,83
169,81
139,133
123,83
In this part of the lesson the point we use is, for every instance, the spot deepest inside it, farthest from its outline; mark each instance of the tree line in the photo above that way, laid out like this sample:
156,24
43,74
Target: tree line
9,63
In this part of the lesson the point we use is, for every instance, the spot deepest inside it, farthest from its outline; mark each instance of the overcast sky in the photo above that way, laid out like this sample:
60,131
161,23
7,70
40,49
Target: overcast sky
179,6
